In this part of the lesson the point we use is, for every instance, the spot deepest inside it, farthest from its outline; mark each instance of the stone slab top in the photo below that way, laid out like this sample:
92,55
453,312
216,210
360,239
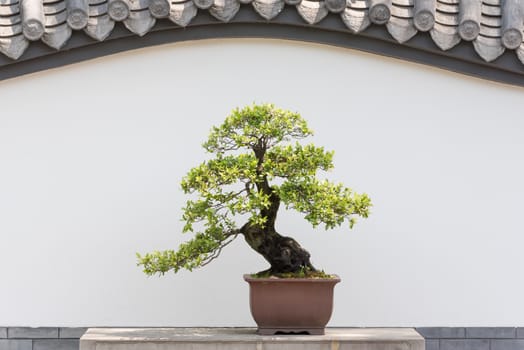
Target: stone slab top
246,335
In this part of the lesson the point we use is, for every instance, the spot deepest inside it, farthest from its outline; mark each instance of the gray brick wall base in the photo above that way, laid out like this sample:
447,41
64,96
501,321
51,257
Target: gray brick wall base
437,338
520,332
71,333
56,344
42,338
16,344
32,333
473,338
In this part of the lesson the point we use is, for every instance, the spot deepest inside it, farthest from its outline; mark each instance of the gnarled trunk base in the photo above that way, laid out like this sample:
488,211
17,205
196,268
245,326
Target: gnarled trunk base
284,254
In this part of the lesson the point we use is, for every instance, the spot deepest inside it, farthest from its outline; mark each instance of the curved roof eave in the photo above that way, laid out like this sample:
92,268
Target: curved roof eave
359,24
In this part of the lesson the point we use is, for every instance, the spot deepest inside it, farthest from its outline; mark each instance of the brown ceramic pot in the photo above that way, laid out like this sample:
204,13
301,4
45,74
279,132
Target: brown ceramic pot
291,305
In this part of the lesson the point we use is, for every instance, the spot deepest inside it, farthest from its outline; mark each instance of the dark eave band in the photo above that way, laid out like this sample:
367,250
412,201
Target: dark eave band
288,25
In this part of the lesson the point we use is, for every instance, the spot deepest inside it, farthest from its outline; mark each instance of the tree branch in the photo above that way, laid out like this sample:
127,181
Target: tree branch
217,252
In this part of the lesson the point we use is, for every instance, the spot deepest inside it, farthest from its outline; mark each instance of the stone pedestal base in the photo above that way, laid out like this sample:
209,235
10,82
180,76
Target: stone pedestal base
247,339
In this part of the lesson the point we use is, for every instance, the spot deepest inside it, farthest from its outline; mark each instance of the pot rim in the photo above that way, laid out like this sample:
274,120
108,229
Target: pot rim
248,278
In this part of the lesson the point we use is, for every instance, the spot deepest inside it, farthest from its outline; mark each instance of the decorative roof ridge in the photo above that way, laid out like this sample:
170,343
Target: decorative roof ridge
312,20
493,26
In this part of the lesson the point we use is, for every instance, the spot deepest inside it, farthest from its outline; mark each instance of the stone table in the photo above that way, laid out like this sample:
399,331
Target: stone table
247,339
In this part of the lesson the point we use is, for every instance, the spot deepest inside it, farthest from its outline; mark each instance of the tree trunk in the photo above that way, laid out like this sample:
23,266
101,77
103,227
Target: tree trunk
284,254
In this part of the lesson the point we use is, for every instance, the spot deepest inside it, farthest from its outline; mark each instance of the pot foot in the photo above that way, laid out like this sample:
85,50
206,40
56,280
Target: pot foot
291,331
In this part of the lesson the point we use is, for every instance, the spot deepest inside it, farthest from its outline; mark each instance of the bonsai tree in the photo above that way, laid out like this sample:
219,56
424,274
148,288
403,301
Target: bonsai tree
257,167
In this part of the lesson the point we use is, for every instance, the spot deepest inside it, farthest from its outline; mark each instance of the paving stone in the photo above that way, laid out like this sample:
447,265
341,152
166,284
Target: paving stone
3,332
464,344
56,344
507,344
442,332
432,344
11,344
490,332
520,332
71,332
32,333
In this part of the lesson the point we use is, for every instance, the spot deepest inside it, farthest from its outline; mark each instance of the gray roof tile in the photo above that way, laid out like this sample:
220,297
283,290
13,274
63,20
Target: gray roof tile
490,24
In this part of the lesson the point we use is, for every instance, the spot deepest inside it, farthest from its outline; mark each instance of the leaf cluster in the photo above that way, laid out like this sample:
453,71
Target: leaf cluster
256,126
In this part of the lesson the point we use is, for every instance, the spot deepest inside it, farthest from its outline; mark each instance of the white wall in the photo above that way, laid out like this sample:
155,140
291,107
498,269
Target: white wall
91,156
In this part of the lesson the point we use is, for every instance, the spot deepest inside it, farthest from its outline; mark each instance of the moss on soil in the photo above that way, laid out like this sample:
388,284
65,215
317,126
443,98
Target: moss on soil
304,273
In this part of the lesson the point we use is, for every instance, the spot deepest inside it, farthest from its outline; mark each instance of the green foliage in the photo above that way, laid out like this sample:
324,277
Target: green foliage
251,148
324,201
256,125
